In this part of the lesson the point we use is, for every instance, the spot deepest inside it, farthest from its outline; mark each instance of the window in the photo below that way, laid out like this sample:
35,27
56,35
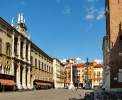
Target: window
15,46
42,65
45,67
120,37
120,45
0,46
36,63
31,60
7,49
94,76
39,64
98,76
21,50
26,52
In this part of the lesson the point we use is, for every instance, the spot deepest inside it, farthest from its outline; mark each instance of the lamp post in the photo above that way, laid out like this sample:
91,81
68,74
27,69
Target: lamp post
71,86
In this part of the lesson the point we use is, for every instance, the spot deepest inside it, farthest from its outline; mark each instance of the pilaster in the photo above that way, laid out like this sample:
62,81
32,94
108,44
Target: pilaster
13,44
24,77
18,77
12,62
12,68
24,50
19,46
2,69
28,77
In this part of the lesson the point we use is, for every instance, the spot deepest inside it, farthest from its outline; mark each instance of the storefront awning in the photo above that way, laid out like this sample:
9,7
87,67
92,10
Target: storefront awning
7,82
42,84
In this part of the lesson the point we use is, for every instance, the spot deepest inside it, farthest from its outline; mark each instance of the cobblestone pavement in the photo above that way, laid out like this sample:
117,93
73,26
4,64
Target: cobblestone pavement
51,94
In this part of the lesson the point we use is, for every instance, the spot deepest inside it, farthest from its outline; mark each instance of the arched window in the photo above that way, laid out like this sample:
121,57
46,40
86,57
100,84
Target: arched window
32,60
8,48
0,46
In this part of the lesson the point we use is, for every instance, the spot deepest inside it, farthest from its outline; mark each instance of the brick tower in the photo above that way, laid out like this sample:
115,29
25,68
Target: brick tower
113,43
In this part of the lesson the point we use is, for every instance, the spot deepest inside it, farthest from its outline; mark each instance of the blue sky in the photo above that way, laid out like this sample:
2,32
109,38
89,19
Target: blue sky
62,28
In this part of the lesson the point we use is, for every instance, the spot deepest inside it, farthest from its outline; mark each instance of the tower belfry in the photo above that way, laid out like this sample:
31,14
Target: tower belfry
21,24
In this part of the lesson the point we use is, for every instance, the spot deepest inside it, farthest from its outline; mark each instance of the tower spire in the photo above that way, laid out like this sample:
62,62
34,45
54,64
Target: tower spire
21,23
19,19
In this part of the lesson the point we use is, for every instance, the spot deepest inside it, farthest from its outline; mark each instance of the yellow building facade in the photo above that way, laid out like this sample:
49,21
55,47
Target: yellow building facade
23,65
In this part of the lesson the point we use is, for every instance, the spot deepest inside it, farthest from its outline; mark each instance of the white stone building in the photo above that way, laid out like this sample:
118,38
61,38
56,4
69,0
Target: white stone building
58,73
98,76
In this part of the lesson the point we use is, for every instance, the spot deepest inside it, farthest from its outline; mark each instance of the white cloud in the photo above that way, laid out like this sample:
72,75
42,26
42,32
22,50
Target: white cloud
92,0
98,61
67,11
58,1
89,16
91,12
79,60
100,15
94,14
23,3
63,61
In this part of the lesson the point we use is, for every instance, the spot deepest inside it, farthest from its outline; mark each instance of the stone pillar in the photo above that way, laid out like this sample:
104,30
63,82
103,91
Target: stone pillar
24,77
32,79
12,63
24,50
12,67
28,78
18,77
2,69
71,86
19,46
13,44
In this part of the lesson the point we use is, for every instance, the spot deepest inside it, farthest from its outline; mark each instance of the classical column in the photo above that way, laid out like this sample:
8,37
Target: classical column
32,79
12,63
18,77
13,44
24,50
12,67
24,77
28,77
2,69
71,86
19,46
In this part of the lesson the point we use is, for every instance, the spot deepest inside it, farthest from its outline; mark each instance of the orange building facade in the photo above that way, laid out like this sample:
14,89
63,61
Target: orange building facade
77,75
95,74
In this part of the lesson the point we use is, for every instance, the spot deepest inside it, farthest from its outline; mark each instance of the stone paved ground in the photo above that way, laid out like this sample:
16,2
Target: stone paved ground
51,94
